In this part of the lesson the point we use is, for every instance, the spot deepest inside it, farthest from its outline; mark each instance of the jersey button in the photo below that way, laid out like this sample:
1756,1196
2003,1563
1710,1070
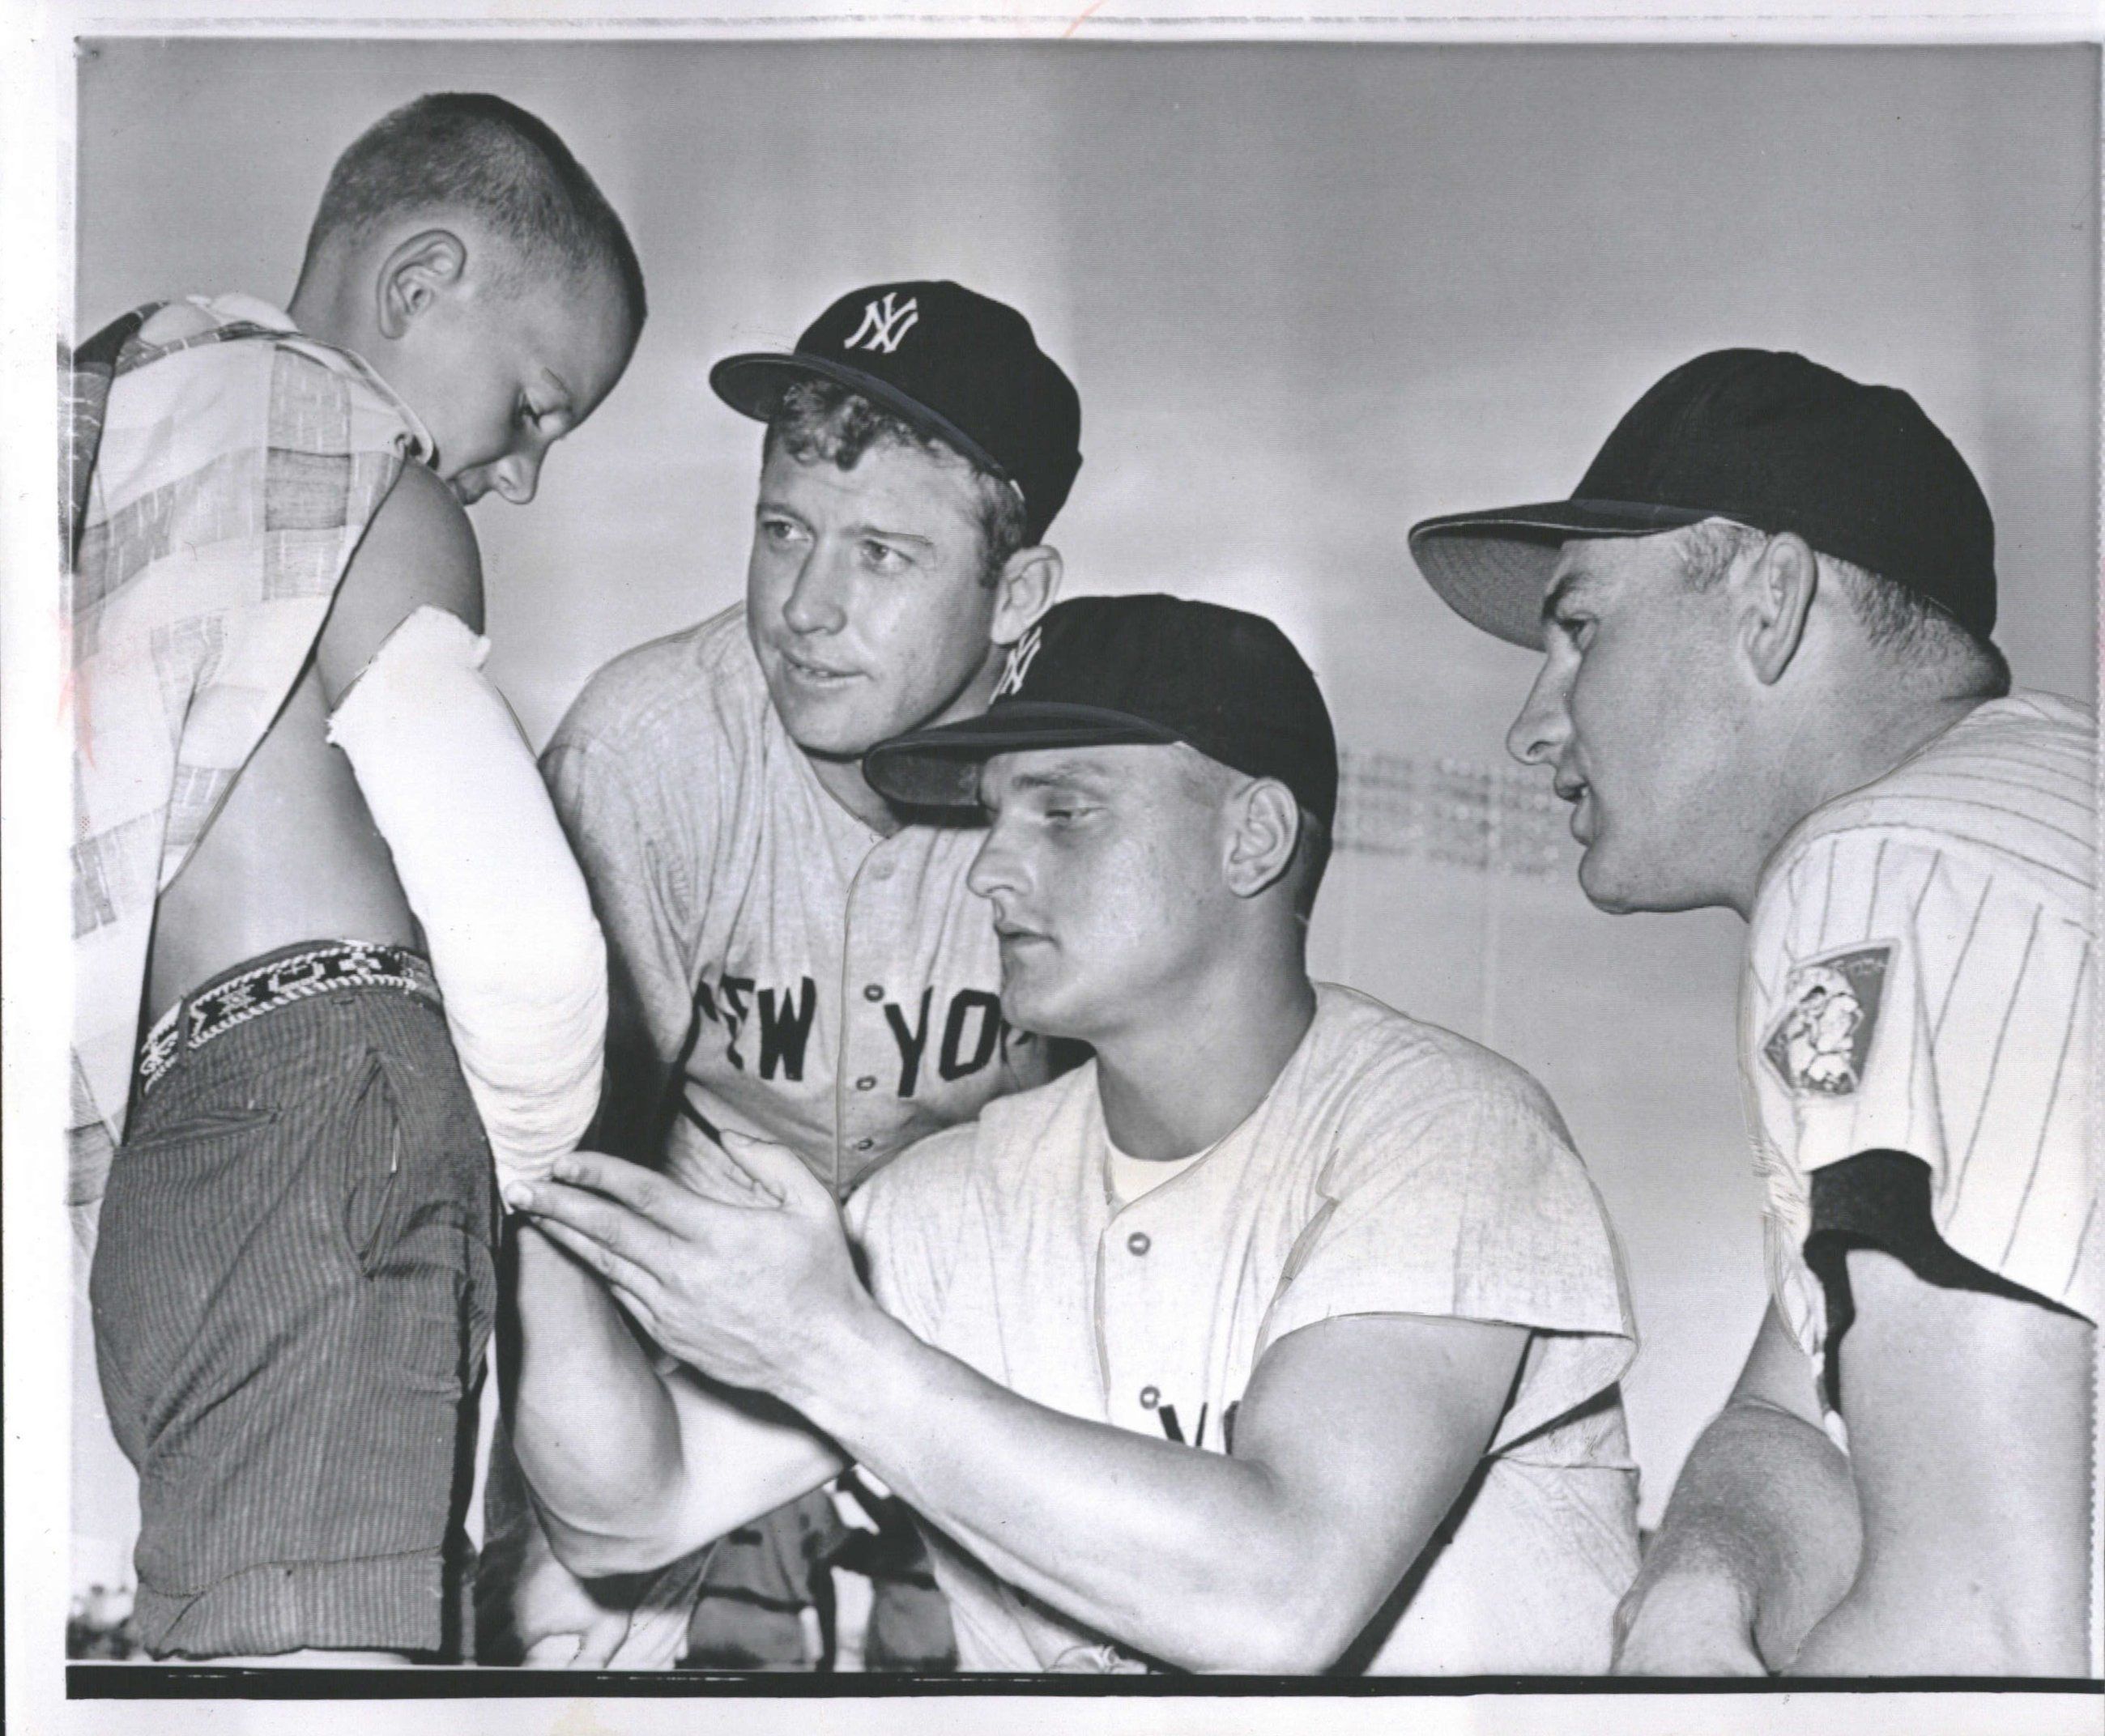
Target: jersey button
1137,1242
865,1144
1150,1397
867,1082
873,991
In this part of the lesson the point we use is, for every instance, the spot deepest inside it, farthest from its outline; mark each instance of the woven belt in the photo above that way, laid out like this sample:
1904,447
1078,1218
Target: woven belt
295,975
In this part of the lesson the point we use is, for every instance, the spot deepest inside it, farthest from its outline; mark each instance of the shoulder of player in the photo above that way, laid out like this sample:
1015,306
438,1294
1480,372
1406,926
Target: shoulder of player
1400,1075
257,329
699,687
2036,713
1381,1046
2023,756
1016,1122
1884,862
2015,778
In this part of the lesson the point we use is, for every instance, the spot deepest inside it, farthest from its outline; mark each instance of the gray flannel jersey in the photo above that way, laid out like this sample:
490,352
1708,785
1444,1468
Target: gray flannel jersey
778,967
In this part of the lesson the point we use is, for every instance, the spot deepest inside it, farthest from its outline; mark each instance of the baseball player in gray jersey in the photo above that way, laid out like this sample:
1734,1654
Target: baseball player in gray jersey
1768,684
1282,1336
792,956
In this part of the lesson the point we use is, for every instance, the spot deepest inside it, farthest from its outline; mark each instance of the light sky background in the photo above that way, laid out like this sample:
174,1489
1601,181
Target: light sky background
1309,294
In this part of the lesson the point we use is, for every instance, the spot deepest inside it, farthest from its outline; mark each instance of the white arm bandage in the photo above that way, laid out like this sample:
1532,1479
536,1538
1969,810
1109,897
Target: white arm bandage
453,787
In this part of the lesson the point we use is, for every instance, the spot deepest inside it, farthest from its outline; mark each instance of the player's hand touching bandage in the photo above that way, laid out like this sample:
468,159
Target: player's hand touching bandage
737,1283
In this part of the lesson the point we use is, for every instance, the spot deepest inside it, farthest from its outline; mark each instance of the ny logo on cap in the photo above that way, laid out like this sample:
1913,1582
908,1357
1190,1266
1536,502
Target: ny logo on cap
1020,656
884,326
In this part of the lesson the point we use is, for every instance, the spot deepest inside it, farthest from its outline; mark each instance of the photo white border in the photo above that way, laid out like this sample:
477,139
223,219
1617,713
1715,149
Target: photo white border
36,93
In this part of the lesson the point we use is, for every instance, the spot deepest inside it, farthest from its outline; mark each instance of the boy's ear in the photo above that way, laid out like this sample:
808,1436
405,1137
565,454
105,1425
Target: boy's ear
414,274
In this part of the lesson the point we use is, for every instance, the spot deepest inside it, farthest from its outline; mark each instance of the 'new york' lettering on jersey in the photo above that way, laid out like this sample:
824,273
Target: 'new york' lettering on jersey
783,968
1921,978
973,1030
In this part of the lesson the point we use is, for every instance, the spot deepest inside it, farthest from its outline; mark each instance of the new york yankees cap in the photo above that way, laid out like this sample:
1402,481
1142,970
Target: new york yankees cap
1764,438
953,363
1100,671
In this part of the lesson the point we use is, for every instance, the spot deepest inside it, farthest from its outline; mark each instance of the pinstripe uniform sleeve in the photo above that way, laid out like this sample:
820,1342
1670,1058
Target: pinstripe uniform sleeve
1905,996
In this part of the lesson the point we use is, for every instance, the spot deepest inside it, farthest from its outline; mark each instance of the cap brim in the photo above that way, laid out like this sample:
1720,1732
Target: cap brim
1492,568
753,384
940,768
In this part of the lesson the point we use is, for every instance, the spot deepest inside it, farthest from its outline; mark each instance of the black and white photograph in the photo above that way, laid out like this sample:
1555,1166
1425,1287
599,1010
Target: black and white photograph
918,870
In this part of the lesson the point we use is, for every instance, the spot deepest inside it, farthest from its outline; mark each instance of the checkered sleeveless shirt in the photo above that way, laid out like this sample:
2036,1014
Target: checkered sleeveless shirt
237,466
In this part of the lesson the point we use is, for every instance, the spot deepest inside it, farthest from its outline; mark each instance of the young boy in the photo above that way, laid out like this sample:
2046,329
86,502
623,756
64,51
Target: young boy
303,819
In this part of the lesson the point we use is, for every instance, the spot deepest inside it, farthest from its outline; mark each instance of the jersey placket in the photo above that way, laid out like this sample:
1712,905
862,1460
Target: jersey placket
865,1118
1138,1288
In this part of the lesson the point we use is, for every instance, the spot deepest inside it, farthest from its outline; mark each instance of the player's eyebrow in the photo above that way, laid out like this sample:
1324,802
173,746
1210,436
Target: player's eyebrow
1574,581
770,503
905,537
1078,775
1063,773
567,398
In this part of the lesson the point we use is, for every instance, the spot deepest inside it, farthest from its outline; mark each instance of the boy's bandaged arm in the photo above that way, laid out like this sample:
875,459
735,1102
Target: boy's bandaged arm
454,790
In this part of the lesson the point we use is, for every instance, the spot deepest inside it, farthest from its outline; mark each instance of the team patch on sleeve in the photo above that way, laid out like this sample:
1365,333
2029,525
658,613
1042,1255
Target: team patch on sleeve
1831,1009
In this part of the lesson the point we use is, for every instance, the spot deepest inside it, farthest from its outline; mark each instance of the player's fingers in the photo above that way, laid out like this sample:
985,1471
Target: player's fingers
554,1652
601,1640
635,1187
777,1172
702,1167
1626,1613
602,1255
581,1248
609,1222
639,1310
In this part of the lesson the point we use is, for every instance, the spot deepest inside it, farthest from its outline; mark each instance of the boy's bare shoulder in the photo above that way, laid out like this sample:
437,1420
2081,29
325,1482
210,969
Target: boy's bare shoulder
419,549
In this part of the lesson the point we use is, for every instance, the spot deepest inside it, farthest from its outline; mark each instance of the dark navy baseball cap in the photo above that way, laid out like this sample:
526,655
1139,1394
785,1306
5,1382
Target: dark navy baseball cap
952,363
1100,671
1764,438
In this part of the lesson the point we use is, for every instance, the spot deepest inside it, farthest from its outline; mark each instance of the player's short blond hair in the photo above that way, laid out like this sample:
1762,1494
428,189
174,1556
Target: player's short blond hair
819,420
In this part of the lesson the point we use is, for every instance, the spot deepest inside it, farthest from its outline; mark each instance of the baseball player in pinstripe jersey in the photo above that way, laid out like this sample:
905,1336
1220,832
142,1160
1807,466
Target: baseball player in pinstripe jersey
792,955
1768,684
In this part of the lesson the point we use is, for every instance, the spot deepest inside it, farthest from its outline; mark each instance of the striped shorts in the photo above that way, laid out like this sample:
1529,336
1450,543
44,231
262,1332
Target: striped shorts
292,1291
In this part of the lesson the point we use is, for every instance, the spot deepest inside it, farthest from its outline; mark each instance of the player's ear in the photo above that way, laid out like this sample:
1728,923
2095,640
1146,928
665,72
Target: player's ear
1267,827
416,272
1774,602
1027,586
